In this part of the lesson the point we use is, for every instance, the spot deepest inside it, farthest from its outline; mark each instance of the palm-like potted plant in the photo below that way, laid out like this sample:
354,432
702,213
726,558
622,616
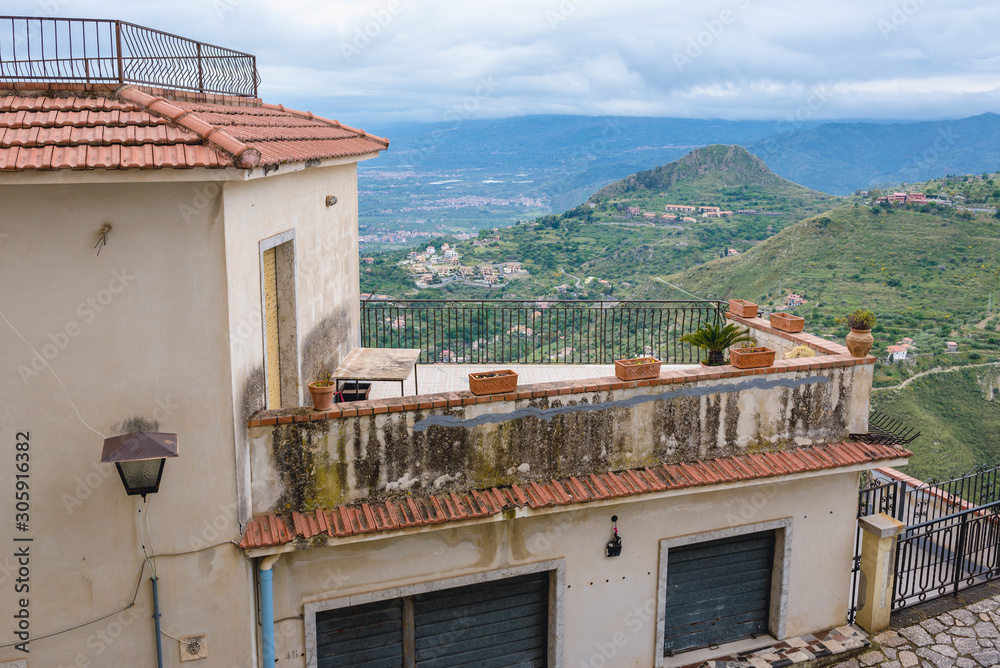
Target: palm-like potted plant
716,339
860,339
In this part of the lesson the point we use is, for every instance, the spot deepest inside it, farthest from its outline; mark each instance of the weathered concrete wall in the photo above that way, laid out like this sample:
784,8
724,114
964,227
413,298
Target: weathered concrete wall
601,598
322,463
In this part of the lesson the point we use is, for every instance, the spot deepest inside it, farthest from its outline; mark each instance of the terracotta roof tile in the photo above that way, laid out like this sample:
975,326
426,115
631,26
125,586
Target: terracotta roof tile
271,530
93,133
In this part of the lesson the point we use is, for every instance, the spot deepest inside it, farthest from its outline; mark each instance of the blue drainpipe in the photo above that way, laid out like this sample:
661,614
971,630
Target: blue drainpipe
267,609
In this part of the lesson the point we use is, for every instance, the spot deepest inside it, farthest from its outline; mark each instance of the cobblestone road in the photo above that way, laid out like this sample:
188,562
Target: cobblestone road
966,637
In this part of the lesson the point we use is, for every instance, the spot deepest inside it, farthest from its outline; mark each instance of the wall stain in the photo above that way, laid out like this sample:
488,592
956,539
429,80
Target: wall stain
349,459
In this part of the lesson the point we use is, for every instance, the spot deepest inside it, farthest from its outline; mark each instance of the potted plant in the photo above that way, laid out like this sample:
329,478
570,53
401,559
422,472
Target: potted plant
716,339
322,392
751,357
860,339
492,382
637,368
787,322
743,308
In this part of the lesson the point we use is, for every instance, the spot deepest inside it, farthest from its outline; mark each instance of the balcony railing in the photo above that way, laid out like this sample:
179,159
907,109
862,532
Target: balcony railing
537,332
101,51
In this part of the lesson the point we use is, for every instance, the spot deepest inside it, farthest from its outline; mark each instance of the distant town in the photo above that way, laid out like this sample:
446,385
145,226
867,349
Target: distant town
442,266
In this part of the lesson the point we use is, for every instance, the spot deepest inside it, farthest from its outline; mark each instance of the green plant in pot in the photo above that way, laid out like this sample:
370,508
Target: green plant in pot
717,339
860,339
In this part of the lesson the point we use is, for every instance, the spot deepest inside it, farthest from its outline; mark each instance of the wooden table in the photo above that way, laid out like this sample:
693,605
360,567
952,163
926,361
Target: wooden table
385,364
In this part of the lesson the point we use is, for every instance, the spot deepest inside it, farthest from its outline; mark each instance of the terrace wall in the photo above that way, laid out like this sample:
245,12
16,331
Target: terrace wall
302,460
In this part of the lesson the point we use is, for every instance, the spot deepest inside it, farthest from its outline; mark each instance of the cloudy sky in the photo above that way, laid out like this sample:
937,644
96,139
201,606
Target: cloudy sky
387,60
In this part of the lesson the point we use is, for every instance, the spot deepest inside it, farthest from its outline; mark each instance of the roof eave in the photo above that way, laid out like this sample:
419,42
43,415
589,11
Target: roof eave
524,511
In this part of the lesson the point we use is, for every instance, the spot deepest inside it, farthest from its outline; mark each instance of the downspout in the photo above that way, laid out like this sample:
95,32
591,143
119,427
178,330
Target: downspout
267,608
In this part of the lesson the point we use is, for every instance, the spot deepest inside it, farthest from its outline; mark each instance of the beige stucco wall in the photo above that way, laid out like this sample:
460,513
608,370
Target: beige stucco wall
601,595
139,331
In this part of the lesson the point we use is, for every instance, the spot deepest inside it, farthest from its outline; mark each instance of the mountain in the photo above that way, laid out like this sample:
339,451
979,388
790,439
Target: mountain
602,240
560,160
840,158
729,177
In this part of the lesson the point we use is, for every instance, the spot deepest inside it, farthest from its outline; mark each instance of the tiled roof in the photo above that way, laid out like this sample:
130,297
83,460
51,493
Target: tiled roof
132,129
415,511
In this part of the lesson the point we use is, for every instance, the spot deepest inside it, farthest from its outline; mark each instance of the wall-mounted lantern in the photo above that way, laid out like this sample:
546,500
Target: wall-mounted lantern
140,458
614,547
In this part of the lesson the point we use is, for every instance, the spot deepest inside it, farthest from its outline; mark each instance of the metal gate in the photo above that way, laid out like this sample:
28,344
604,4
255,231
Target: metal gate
498,624
363,635
718,591
951,540
502,623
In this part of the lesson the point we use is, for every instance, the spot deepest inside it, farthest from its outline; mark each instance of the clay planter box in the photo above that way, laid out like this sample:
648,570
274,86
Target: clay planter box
742,308
787,323
492,382
751,358
637,368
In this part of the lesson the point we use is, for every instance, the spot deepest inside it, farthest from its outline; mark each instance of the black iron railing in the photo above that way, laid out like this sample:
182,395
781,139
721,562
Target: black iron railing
947,554
533,332
929,504
101,51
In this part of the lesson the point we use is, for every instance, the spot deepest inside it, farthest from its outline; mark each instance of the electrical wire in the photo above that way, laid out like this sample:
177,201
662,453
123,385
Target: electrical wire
30,347
142,538
135,595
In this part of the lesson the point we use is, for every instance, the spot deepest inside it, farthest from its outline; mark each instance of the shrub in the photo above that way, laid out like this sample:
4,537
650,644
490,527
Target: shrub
861,319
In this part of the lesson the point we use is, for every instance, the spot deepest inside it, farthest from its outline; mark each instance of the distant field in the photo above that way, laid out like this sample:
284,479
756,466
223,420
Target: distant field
959,424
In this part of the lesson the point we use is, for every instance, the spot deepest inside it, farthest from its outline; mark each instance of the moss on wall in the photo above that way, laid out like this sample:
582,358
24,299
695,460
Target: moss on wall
334,461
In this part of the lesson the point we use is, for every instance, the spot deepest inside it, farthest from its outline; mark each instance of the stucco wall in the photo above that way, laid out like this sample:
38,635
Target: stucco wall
139,331
305,465
604,598
327,298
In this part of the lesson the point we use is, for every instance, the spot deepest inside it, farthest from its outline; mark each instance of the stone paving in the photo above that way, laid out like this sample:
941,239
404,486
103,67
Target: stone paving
966,637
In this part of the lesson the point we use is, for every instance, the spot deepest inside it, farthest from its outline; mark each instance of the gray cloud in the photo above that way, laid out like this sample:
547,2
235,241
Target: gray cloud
370,61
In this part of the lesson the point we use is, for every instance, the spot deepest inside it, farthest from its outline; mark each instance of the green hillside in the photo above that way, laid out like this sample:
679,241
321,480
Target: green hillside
929,266
729,177
621,253
958,415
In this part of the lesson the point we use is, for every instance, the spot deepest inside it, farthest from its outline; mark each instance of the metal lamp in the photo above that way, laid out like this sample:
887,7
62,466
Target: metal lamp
139,458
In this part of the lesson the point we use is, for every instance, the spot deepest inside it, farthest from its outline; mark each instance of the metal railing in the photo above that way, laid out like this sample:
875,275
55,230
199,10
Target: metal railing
42,49
934,504
947,554
537,332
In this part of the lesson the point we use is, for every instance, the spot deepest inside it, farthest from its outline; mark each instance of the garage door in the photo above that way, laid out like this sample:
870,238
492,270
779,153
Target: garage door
499,624
717,591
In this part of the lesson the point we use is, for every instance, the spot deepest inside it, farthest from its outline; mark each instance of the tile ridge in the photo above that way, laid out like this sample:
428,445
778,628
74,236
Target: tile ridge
334,123
241,154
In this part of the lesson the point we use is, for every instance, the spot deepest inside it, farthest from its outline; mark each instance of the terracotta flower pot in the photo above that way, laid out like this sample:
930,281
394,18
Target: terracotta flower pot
787,323
322,396
742,308
751,358
860,341
492,382
637,368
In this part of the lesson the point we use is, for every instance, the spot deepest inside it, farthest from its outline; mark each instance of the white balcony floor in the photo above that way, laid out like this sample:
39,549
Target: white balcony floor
433,378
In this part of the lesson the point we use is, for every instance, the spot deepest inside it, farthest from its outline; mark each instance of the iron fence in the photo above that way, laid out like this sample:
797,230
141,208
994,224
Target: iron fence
946,554
106,51
935,504
533,332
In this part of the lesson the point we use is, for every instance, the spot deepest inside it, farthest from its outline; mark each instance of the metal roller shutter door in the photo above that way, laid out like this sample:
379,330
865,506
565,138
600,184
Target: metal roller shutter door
718,591
501,624
363,635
